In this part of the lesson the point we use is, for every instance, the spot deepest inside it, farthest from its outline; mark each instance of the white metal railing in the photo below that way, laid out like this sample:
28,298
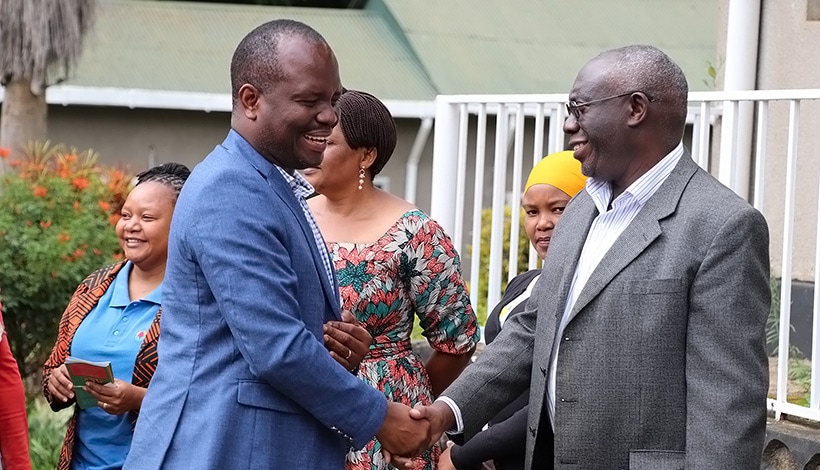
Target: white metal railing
527,127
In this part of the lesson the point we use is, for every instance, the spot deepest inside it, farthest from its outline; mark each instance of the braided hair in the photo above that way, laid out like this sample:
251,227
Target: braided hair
366,122
172,175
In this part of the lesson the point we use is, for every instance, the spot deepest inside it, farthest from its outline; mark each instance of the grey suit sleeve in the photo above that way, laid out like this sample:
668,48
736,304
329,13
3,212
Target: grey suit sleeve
726,362
501,373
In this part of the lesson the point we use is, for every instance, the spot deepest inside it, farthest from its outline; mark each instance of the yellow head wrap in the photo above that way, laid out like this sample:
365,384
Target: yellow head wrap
559,169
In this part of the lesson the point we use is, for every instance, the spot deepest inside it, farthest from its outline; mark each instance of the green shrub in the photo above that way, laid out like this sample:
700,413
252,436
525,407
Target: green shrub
773,322
46,431
56,227
484,263
484,258
799,369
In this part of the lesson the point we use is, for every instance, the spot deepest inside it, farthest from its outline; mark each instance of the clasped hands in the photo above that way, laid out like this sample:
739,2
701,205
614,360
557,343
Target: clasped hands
407,432
115,398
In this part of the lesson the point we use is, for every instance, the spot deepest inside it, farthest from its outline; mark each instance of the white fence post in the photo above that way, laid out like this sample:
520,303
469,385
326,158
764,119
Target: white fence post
445,149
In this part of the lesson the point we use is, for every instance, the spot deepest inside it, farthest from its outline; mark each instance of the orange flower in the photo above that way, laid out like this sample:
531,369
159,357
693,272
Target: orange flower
76,205
104,205
71,158
117,257
39,191
45,224
78,253
113,219
29,223
97,251
4,152
15,163
80,183
63,237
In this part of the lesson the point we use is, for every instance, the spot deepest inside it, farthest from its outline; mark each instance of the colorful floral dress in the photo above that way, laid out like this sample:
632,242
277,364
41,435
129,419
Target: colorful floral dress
412,270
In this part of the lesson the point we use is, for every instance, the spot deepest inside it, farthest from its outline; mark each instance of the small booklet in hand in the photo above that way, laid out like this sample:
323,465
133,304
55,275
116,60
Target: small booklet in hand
82,371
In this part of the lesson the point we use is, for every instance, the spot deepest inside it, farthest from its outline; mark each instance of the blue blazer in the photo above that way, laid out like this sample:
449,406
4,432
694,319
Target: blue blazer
244,379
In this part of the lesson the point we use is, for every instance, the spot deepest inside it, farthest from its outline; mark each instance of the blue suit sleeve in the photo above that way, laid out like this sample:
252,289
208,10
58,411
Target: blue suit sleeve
255,267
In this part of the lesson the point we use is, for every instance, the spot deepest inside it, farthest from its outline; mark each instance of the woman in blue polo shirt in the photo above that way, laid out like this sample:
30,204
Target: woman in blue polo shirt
113,316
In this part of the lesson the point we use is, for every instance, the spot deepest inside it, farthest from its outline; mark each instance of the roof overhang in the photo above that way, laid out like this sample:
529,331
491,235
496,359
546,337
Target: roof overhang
132,98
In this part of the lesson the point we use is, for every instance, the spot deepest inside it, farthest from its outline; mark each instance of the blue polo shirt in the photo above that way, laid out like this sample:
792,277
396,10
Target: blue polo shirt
113,331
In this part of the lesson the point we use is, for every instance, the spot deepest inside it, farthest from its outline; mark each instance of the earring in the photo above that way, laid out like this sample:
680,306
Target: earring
361,178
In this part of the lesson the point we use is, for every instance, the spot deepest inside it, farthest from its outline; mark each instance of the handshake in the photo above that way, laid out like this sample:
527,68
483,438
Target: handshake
407,432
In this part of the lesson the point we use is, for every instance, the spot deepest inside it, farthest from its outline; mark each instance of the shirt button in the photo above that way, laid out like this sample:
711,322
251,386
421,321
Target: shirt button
117,333
124,318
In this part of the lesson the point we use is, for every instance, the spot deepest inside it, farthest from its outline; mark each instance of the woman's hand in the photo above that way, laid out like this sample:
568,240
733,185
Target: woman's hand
59,384
347,340
116,397
406,463
445,462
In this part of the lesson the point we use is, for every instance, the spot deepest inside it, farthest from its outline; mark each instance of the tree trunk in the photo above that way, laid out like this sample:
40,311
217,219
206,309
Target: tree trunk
24,116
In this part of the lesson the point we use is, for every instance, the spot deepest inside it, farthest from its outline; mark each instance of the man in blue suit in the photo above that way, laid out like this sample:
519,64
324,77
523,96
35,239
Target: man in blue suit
244,379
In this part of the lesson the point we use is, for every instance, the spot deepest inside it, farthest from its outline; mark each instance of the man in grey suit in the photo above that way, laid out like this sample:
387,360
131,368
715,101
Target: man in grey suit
644,342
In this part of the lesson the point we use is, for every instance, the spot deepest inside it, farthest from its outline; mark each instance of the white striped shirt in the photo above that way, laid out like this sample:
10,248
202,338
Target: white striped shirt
605,229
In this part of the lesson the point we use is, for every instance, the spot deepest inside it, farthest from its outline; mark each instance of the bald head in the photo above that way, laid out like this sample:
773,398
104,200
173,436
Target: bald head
648,69
256,58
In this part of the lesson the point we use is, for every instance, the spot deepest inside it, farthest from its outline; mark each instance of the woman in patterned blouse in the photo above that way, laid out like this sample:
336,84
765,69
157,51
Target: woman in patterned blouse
394,264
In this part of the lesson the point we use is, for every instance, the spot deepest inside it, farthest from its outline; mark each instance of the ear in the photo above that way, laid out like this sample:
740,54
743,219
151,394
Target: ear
249,99
638,108
368,157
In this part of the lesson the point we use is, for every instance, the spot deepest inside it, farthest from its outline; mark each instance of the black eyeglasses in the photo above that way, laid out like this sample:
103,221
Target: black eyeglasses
574,107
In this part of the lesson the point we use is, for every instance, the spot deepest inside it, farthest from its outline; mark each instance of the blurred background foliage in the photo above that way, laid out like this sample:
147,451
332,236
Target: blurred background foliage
56,227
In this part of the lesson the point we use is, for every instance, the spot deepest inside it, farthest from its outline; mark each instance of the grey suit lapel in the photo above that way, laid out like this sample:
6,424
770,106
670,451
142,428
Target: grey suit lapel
640,233
556,276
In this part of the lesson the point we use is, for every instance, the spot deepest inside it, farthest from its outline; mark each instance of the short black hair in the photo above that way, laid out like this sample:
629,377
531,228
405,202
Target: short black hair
256,58
366,122
172,175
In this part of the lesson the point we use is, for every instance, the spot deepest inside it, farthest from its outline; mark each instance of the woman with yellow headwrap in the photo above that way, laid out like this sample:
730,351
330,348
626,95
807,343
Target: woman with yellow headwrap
551,184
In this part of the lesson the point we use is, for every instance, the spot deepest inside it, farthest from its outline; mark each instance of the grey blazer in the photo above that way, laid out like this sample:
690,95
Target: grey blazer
663,363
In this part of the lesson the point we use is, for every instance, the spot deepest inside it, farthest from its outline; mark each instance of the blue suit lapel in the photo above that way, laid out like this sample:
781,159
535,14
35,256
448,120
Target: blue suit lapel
282,190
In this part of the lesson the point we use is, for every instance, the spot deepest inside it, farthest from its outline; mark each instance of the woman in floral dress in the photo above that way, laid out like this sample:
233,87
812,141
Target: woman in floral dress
394,264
